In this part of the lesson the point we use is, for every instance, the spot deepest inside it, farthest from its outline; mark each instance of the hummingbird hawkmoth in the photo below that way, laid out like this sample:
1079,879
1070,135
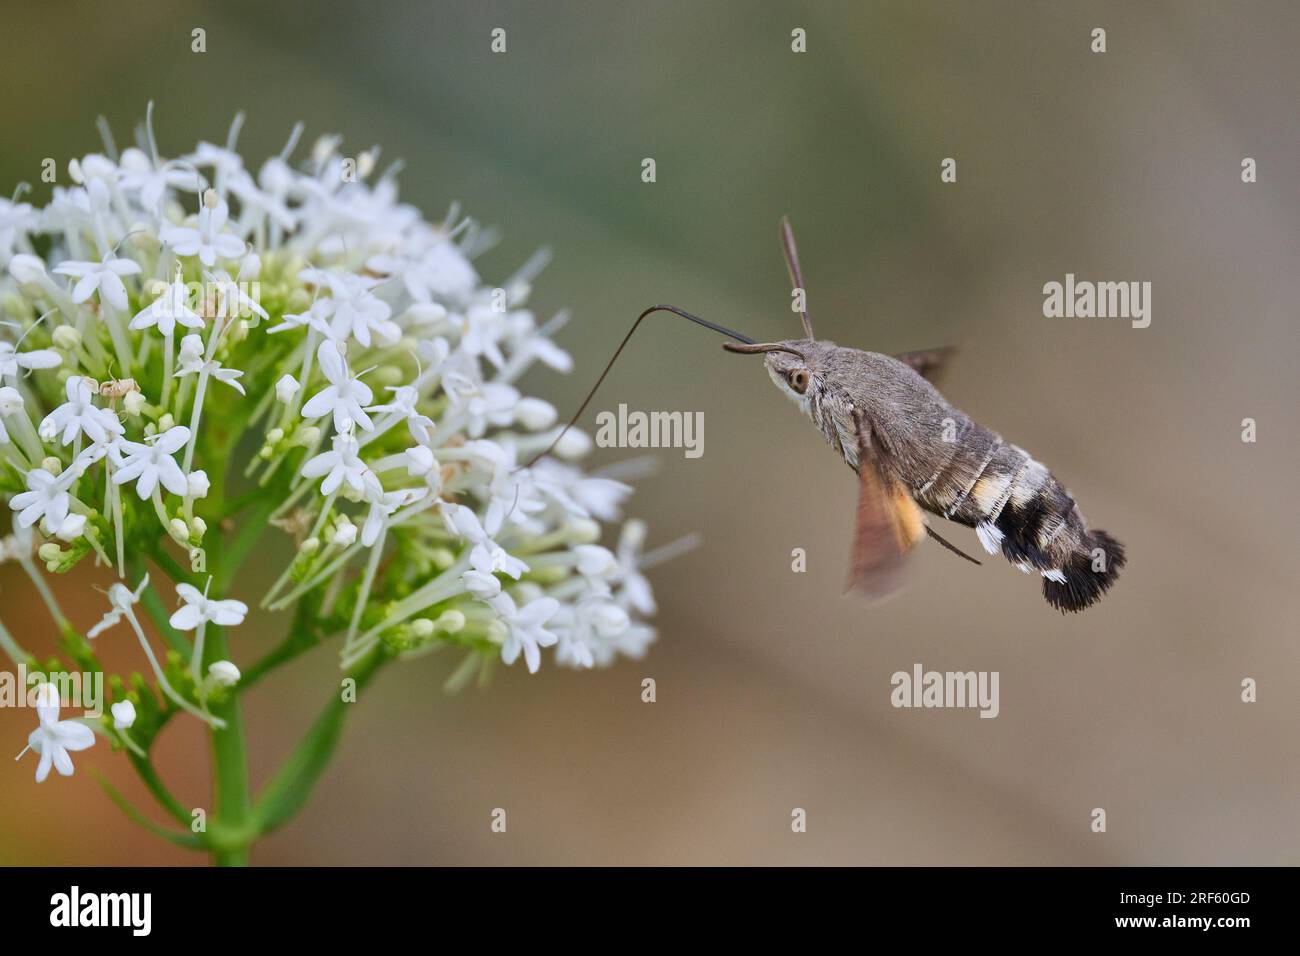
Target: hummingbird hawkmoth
913,453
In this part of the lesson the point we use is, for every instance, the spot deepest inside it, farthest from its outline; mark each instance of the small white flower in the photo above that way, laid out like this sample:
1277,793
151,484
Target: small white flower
199,608
170,307
357,312
636,589
342,465
524,628
383,505
206,240
316,317
150,464
123,714
233,301
344,396
403,403
481,328
103,277
46,497
70,528
286,387
16,220
79,416
223,673
120,598
193,363
485,554
11,360
54,738
480,585
139,176
484,405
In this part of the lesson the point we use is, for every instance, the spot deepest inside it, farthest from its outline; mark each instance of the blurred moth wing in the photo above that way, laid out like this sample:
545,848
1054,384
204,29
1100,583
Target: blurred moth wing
888,525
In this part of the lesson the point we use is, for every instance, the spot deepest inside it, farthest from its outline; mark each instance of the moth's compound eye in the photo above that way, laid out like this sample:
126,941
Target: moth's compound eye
799,380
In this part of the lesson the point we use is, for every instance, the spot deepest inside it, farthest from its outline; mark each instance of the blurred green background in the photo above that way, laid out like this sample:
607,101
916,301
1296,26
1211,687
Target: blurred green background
773,688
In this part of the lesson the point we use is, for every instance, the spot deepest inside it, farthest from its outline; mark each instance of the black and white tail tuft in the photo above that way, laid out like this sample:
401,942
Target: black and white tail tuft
1087,574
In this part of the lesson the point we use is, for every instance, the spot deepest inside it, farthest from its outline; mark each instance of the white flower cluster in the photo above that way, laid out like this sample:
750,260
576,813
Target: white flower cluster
369,408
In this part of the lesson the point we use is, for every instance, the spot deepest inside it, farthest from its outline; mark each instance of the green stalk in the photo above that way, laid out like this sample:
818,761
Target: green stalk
288,790
230,773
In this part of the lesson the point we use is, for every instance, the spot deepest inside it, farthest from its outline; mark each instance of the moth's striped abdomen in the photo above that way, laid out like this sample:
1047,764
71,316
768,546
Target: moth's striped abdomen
1018,508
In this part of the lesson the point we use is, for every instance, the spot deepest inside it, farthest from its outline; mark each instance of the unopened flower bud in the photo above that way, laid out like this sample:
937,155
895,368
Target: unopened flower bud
250,267
451,622
52,465
223,673
166,422
179,529
11,400
309,546
191,349
419,461
26,268
575,443
426,313
307,436
345,533
595,561
66,337
197,484
527,592
133,403
422,627
286,388
584,531
49,551
123,714
535,414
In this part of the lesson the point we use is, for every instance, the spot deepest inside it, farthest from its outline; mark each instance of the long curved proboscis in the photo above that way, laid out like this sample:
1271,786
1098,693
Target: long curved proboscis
619,351
754,348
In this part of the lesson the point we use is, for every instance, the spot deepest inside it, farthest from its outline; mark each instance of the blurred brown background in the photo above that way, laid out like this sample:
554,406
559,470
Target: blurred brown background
773,689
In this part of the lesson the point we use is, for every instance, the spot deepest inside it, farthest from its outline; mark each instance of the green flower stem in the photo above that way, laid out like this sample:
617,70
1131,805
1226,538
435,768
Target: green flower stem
43,589
12,647
153,606
230,778
288,790
149,776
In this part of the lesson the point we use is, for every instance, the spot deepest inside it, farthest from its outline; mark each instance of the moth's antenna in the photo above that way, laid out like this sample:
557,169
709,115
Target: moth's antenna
796,274
619,351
